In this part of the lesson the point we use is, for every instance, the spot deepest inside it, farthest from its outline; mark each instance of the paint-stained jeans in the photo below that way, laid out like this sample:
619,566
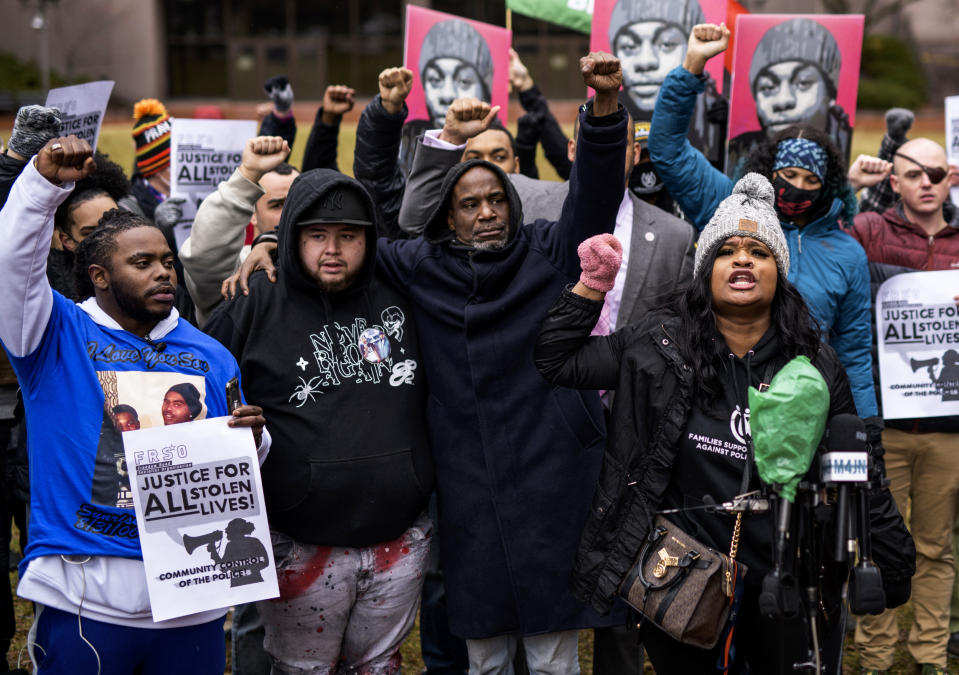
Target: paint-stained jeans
344,610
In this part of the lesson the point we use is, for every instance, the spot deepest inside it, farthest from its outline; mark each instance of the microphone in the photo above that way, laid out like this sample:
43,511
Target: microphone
160,347
845,462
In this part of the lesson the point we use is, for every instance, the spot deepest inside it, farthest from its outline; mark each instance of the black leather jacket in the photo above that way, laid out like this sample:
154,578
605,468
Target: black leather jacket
654,393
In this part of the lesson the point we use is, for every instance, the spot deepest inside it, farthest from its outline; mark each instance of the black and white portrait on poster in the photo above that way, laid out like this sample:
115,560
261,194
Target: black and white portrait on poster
649,38
793,70
917,324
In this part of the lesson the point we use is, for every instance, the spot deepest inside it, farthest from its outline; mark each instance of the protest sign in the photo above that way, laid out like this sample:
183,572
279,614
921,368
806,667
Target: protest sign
952,138
793,69
82,107
574,14
199,506
202,154
917,323
649,38
452,57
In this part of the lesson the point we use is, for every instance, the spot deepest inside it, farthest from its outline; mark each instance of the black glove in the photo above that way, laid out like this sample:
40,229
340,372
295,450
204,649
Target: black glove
897,592
874,428
898,123
168,212
718,112
528,128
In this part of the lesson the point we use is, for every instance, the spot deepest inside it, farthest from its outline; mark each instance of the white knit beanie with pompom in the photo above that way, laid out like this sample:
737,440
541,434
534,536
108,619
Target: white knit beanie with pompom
747,212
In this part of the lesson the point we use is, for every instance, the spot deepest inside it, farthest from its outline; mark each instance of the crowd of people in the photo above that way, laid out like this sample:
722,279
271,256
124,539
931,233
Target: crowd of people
472,391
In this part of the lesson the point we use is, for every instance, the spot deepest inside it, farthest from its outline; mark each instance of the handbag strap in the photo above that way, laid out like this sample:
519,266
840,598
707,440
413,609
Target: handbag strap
691,560
750,457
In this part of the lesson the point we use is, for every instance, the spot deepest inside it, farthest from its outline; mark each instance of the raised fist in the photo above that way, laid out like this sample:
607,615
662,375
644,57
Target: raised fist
600,258
337,101
65,159
168,213
868,171
603,73
395,85
705,41
466,118
261,155
519,77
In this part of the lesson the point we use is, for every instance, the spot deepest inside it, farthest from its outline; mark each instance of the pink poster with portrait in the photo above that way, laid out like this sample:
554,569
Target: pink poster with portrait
452,57
649,38
793,69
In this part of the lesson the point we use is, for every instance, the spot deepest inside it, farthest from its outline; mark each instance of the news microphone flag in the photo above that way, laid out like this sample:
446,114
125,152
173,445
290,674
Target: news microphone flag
574,14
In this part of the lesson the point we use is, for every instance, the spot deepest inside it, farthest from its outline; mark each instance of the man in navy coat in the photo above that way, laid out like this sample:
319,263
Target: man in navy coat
516,459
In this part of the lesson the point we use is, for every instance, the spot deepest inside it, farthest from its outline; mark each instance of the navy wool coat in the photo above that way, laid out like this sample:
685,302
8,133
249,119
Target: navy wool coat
517,459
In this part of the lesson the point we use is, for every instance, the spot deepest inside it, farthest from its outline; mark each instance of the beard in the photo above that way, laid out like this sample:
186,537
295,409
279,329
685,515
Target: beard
135,306
339,285
490,245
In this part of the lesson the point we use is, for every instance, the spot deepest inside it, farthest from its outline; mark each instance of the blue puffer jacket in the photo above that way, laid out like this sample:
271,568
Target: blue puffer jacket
827,265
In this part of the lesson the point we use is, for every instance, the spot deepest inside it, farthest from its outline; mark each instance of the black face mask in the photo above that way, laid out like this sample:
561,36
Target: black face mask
643,181
792,201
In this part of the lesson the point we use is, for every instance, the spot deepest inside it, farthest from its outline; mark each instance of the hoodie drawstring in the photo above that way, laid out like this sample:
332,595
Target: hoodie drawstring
747,471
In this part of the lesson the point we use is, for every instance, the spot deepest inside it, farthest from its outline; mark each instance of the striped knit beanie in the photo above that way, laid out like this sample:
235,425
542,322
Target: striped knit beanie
151,132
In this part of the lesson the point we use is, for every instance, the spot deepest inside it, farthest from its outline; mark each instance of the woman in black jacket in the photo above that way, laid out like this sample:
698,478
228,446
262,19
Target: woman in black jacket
679,432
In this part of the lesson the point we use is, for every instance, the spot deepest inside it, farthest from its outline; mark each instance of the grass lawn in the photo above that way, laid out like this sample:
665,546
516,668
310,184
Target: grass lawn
413,662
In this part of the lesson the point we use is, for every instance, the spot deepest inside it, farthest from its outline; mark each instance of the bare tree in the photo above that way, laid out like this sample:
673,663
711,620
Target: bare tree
875,10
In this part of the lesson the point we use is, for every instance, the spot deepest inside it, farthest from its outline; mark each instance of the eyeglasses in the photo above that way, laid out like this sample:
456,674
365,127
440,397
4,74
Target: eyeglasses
936,173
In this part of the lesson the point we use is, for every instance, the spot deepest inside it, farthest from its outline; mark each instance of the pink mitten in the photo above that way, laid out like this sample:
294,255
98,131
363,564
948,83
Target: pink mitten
600,258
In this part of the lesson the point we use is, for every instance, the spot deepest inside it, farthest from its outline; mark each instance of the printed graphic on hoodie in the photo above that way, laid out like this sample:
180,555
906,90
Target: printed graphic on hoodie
138,400
358,351
716,441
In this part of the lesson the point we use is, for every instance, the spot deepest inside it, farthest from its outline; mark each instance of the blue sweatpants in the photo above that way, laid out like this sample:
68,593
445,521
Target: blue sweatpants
190,650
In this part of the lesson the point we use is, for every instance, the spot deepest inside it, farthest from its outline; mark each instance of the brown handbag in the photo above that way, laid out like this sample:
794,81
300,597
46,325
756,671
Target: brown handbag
683,586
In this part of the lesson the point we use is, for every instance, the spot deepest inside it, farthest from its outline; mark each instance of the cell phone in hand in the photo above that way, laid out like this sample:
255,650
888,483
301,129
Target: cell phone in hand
233,394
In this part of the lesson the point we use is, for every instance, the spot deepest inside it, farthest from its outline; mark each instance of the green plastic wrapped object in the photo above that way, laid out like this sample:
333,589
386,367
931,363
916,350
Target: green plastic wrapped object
787,422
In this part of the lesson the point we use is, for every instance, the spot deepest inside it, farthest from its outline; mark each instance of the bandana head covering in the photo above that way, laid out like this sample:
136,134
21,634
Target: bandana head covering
803,154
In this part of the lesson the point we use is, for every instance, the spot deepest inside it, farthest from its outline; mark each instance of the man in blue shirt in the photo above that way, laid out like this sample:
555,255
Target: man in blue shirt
77,364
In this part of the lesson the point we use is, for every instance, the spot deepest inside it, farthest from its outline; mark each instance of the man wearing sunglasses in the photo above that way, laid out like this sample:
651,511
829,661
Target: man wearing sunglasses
922,456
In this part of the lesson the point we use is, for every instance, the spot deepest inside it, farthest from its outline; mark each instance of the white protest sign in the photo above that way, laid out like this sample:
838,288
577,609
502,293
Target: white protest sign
82,107
200,514
917,322
202,154
952,137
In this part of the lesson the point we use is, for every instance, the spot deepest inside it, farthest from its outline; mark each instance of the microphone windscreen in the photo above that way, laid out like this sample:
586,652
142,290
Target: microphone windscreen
845,433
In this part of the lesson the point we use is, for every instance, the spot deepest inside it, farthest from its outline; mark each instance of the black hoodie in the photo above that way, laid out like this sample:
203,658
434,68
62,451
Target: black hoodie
711,454
10,169
350,463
